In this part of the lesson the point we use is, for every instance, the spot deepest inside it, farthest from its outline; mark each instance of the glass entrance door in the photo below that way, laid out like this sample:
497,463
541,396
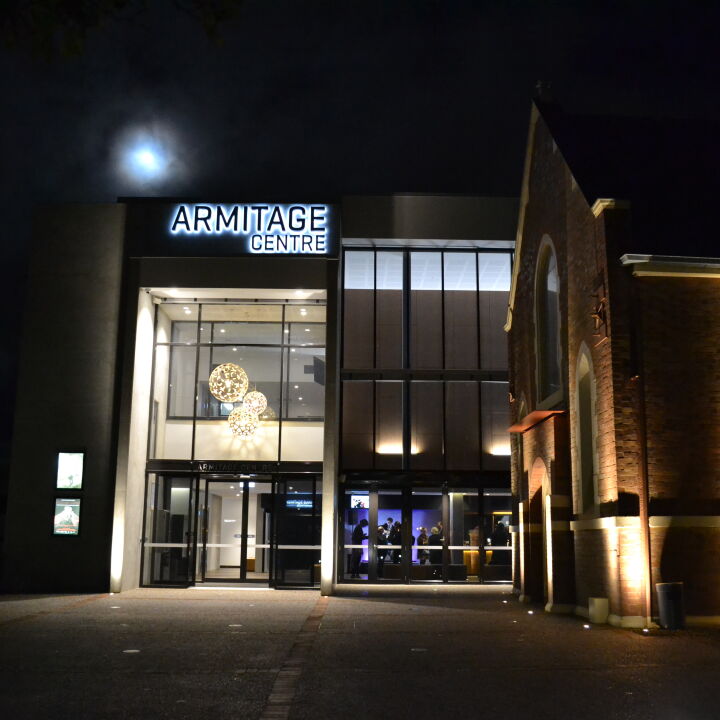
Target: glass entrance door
236,525
169,540
296,533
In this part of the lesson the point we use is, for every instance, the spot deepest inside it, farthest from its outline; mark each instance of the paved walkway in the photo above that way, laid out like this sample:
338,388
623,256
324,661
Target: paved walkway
199,653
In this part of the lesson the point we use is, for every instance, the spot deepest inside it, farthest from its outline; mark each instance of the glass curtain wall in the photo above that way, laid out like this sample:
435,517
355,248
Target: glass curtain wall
436,312
281,348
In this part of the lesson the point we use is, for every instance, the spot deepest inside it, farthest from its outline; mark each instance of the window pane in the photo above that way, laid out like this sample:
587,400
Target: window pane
304,393
392,527
359,269
461,308
356,514
182,381
358,309
462,432
498,541
549,322
426,425
357,425
426,349
495,422
170,437
494,276
388,425
389,310
494,271
247,332
262,366
177,323
168,525
428,534
184,332
465,533
306,333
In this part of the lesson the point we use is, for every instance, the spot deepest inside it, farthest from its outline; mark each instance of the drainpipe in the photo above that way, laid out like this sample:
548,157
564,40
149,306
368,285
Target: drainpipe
638,378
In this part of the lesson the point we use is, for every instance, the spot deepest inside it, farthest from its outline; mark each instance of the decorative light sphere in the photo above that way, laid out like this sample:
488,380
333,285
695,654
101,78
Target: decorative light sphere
255,401
243,422
268,414
228,382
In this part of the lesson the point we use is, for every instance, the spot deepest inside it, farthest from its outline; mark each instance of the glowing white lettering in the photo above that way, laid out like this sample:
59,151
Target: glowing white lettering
266,229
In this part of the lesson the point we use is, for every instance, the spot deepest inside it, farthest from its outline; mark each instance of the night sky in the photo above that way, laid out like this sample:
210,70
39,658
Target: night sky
326,98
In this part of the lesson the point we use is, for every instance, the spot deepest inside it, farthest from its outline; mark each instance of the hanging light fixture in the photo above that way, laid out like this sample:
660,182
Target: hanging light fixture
228,382
243,422
255,401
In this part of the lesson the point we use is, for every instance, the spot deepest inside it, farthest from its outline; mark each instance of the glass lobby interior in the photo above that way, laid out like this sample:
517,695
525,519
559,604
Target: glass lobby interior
230,527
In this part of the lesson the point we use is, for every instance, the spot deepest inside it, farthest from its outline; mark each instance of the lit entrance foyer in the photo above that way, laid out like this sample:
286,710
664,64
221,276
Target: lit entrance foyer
228,499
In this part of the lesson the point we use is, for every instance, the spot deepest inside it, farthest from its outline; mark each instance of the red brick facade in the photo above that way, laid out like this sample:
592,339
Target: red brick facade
652,346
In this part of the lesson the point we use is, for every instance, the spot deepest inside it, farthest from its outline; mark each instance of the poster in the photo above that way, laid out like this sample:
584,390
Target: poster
70,470
360,502
67,516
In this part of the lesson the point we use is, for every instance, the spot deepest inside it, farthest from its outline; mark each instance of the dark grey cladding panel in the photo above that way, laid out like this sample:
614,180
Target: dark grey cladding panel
66,399
429,217
244,272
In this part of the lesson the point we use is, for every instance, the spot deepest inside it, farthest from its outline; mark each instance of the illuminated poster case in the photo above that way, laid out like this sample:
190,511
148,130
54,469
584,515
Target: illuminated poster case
69,471
67,516
68,482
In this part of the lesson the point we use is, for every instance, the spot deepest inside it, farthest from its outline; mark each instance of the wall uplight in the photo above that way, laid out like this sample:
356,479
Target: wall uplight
395,449
500,449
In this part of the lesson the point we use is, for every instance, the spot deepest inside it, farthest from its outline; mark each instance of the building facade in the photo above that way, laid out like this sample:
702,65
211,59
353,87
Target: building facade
297,395
613,365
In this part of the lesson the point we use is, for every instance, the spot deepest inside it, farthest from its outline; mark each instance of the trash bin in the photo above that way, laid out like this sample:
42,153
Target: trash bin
671,605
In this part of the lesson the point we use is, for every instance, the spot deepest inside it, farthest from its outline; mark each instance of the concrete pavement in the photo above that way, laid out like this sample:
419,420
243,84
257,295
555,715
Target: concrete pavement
214,653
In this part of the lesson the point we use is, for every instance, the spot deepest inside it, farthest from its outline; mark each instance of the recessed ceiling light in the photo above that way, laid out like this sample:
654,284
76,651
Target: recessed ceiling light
307,329
234,349
222,329
299,398
296,386
292,349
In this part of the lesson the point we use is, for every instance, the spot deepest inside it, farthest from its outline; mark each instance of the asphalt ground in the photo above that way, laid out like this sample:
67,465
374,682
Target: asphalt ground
214,653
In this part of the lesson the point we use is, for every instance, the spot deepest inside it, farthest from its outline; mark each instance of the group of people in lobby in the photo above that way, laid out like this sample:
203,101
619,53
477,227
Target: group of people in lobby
429,545
391,534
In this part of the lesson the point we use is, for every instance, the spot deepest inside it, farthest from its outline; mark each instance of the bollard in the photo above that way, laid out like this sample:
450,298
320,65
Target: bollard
671,605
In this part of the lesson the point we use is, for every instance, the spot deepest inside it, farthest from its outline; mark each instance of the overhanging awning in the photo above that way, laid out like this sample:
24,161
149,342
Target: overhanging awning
532,419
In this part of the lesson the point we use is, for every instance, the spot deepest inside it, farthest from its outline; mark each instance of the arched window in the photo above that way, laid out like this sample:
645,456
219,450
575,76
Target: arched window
547,329
585,431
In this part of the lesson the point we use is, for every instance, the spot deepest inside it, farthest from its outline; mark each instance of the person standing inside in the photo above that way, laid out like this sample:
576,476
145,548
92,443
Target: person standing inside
381,554
435,541
395,538
358,535
422,554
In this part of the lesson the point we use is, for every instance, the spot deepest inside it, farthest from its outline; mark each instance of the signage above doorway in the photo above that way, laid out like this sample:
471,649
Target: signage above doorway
162,228
265,228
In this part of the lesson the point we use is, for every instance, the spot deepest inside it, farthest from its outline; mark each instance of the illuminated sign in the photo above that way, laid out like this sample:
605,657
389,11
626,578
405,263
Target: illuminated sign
299,503
264,229
69,471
